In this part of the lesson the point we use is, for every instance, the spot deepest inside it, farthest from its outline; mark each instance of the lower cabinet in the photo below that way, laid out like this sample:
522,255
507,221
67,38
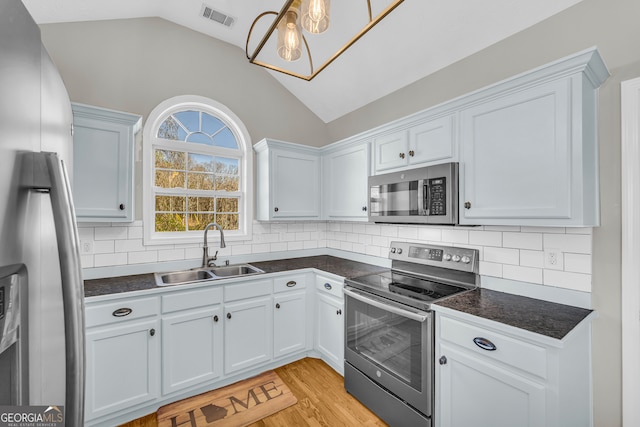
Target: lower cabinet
290,315
123,356
492,375
329,322
191,348
192,334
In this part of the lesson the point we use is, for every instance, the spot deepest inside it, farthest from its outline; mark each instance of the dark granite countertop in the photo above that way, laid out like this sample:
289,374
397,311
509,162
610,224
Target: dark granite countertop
330,264
534,315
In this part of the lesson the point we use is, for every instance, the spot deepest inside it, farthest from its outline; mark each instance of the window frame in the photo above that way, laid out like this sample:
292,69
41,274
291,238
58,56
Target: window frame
245,165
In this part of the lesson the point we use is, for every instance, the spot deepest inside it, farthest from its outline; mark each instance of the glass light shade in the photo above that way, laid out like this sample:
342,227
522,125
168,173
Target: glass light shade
290,36
315,15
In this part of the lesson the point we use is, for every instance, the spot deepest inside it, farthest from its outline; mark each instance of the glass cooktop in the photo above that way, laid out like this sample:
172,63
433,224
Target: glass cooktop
409,290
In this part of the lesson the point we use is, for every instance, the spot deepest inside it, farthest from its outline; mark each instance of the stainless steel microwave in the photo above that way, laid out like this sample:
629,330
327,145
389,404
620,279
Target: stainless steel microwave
427,195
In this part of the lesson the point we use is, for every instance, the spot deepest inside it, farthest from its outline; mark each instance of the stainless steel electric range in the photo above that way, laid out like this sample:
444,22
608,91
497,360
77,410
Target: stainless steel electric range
389,328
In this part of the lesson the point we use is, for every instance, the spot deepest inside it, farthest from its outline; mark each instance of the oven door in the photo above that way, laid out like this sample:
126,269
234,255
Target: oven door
392,344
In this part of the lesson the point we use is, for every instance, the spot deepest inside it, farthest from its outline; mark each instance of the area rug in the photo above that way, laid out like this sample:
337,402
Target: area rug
235,405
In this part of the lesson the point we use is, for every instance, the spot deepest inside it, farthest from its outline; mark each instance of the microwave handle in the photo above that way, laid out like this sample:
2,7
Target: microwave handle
423,197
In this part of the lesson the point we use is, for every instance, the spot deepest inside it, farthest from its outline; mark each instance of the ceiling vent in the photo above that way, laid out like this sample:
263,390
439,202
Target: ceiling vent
217,16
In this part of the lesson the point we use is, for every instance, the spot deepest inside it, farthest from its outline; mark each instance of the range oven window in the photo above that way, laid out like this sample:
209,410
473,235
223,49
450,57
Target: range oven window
389,341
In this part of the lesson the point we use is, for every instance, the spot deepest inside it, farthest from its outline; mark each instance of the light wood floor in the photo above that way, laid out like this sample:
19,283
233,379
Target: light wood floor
322,400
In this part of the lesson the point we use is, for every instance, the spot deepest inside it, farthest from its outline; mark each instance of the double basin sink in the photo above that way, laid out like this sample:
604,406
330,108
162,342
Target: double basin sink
205,274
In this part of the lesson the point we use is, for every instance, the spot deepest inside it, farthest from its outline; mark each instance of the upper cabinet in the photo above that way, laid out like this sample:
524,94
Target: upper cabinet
528,148
345,172
427,141
288,181
103,142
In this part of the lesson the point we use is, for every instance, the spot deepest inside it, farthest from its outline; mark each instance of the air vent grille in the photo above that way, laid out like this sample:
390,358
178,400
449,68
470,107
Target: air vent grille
217,16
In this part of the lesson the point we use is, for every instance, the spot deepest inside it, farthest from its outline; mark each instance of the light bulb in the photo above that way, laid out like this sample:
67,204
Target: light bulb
289,37
315,16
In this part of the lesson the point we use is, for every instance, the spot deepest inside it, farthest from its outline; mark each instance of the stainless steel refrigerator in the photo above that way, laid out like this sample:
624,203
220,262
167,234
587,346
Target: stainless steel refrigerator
41,293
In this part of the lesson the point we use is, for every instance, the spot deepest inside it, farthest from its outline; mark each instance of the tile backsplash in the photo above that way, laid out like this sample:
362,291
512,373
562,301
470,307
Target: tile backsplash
558,257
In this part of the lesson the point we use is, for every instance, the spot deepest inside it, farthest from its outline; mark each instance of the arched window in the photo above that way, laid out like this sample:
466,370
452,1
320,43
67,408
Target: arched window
197,170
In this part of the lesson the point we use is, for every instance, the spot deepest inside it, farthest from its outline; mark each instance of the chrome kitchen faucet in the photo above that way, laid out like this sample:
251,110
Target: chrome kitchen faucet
207,261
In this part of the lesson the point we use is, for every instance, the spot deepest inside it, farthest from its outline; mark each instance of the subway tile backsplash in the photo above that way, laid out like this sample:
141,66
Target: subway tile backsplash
515,253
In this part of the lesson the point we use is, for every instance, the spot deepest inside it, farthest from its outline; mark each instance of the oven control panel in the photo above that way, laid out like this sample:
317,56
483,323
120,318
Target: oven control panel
463,259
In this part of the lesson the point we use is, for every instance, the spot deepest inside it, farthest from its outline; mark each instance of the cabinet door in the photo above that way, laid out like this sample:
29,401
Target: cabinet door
431,141
516,158
248,337
103,163
295,185
122,367
472,392
346,173
391,151
330,330
191,348
289,323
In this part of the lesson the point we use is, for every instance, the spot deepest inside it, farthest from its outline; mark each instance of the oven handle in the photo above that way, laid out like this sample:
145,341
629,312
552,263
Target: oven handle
419,316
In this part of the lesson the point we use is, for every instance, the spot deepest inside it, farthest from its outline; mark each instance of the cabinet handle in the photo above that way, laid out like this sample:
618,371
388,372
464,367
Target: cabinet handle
467,205
328,286
121,206
364,209
152,332
484,344
339,312
402,155
443,360
121,312
278,305
228,315
215,318
291,283
411,153
275,209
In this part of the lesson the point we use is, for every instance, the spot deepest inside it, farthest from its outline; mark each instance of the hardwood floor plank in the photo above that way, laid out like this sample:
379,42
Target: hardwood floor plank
322,400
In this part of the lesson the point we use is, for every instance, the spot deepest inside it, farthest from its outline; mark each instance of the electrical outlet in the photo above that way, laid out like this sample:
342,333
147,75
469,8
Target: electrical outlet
553,259
86,247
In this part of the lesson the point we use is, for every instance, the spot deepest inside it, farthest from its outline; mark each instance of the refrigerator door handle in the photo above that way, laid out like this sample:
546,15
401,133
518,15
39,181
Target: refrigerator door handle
72,287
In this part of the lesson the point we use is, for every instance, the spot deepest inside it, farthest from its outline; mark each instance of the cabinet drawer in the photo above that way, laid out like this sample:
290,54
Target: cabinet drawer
510,351
289,283
247,290
191,299
121,311
330,286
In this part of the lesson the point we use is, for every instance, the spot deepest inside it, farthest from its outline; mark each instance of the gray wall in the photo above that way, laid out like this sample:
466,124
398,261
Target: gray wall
134,64
125,65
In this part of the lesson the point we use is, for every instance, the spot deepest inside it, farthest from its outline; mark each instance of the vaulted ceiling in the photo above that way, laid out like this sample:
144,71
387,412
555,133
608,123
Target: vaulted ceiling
416,39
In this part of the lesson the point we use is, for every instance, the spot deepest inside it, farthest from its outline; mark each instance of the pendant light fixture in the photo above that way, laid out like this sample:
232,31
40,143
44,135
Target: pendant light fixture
282,50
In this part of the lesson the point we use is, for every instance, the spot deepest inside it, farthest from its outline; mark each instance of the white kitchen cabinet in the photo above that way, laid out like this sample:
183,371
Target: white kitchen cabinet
345,173
289,323
528,148
248,328
288,181
123,356
330,321
103,176
528,380
290,315
429,140
192,338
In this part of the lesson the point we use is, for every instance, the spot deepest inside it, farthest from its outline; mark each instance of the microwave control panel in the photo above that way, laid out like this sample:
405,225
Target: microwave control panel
437,197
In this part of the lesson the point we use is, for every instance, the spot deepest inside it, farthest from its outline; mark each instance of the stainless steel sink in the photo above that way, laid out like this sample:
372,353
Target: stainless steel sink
181,277
235,270
202,274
